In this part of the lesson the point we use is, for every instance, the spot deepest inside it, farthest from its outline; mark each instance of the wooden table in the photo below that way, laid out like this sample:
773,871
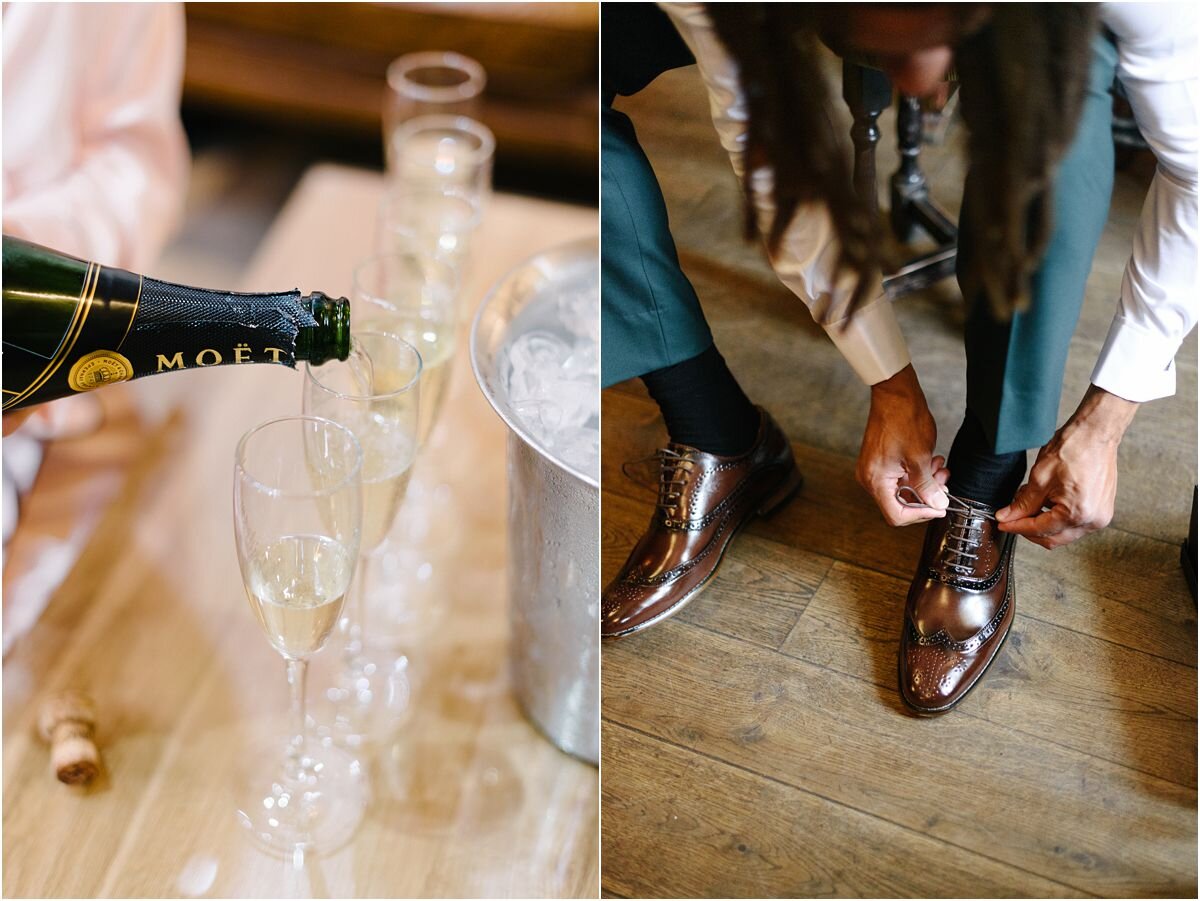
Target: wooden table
153,622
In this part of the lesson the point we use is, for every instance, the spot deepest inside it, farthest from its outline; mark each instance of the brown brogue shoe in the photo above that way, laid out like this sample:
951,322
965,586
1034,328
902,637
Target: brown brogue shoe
703,500
959,610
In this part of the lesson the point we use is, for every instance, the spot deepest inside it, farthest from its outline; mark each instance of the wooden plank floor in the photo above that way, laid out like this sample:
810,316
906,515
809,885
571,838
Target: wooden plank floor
755,744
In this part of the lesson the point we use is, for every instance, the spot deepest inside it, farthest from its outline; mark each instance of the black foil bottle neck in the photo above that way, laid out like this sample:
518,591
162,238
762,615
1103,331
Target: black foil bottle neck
329,339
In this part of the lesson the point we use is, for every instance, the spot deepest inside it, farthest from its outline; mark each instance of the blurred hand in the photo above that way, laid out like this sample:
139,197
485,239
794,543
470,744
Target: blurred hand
897,449
13,421
935,101
1072,486
67,417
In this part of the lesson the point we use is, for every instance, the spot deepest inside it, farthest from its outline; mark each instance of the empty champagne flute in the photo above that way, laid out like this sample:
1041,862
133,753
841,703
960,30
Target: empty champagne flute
415,297
297,512
431,82
376,394
445,151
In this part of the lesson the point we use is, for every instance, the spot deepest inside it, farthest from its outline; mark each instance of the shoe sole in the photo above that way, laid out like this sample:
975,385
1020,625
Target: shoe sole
769,507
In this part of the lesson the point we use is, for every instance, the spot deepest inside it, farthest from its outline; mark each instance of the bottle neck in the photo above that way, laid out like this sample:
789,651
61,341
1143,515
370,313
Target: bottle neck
329,339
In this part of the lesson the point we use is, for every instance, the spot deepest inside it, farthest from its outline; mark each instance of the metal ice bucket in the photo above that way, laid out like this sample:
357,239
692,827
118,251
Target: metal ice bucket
553,529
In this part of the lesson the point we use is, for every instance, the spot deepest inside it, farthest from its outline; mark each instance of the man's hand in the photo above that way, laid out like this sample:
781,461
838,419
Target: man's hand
897,449
1073,484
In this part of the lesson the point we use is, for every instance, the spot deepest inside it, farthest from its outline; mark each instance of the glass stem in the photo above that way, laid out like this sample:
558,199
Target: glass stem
297,676
356,646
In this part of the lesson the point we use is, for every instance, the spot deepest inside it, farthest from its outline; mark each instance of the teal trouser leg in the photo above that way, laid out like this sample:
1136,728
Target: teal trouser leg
1015,370
650,315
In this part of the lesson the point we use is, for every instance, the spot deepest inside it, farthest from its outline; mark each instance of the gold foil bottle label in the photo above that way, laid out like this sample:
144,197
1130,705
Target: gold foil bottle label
100,367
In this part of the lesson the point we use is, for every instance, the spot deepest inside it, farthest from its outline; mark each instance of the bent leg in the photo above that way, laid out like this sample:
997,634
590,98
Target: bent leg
650,315
1015,369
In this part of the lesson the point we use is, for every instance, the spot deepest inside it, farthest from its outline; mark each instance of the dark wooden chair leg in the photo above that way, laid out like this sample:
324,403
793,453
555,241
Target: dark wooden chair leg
911,205
912,208
867,92
908,182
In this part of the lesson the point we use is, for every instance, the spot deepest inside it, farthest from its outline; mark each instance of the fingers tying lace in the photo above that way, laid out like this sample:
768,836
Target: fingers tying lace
964,533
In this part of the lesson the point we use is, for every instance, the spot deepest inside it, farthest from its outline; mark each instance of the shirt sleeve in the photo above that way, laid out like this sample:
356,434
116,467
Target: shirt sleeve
1158,53
120,202
806,260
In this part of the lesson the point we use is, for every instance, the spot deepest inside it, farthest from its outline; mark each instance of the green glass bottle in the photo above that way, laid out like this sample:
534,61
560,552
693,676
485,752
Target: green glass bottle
71,326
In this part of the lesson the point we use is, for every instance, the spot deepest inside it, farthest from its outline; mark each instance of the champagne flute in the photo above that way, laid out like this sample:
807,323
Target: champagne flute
434,220
433,81
446,151
297,512
376,394
414,297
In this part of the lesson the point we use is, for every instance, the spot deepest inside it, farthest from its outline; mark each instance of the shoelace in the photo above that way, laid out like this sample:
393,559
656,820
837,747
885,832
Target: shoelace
674,469
962,536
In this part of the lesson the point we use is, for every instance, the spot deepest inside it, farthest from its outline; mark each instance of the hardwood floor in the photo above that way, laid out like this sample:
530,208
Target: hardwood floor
755,744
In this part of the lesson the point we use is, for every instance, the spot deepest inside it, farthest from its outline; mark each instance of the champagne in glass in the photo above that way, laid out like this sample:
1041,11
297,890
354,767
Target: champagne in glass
296,588
438,222
380,403
445,151
414,297
432,331
389,468
297,508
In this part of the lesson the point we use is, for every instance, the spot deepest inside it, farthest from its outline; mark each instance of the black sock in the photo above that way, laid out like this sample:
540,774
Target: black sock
704,406
979,474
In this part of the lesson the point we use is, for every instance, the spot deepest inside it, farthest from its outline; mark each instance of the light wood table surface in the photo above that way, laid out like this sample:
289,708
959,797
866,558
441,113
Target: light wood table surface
153,622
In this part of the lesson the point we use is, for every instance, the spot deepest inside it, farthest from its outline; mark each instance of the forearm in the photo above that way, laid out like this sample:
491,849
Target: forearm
902,384
1102,415
806,260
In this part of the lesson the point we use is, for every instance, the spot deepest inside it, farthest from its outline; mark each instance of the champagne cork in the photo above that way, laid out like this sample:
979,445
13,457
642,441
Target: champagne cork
67,722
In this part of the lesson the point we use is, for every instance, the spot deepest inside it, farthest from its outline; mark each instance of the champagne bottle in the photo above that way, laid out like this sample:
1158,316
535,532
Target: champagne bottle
72,325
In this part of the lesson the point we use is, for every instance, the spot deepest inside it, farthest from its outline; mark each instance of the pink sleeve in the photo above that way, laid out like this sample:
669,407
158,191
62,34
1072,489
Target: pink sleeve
120,202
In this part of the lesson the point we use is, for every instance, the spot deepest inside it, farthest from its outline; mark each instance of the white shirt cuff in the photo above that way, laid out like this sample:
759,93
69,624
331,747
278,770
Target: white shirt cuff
871,341
1136,363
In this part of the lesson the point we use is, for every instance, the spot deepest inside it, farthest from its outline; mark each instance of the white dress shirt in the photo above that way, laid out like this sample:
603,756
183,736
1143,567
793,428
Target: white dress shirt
1158,63
95,158
1158,55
